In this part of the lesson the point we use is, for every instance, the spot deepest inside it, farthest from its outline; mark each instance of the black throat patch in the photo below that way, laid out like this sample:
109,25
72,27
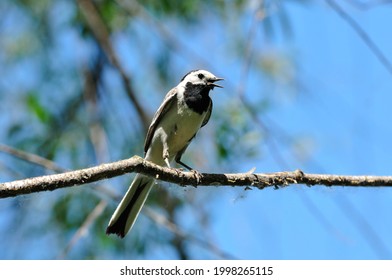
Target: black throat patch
196,97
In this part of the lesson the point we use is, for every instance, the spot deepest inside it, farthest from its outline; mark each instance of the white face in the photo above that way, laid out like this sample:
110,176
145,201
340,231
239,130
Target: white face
200,77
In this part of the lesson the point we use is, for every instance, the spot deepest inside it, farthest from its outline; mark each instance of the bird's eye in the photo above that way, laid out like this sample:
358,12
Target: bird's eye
201,76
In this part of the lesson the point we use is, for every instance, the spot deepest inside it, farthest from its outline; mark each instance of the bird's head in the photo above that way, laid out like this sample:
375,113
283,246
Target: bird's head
201,77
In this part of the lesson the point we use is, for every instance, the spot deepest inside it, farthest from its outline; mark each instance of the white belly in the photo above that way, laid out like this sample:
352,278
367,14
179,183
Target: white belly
178,127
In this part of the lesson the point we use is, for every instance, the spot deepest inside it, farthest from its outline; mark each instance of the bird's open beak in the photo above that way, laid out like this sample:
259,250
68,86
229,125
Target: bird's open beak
211,82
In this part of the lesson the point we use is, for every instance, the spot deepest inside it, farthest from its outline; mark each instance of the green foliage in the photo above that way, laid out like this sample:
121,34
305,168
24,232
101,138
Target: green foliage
236,135
36,108
183,10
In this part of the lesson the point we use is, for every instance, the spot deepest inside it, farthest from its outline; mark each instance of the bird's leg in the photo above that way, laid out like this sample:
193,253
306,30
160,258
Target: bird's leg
166,154
166,159
167,162
184,165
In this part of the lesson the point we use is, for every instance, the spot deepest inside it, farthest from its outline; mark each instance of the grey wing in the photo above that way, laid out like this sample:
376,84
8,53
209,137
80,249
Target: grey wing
166,104
208,115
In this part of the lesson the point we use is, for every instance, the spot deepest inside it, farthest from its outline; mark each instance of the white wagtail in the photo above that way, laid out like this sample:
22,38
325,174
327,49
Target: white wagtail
185,109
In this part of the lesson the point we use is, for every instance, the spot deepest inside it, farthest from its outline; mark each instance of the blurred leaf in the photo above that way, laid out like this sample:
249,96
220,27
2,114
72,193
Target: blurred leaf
34,105
236,135
112,14
303,148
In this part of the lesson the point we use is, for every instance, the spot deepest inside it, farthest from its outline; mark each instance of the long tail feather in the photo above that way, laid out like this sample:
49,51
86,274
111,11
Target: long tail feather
127,211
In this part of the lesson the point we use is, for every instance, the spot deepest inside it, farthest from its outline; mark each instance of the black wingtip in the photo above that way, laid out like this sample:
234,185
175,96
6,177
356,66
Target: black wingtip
115,229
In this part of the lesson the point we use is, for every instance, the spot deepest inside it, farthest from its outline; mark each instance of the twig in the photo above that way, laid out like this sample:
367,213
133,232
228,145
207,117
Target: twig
168,37
101,33
366,5
83,229
362,34
35,159
164,222
366,228
98,139
139,165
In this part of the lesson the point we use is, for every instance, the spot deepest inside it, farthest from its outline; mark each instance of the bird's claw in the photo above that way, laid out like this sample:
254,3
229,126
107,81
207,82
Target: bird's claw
178,170
198,176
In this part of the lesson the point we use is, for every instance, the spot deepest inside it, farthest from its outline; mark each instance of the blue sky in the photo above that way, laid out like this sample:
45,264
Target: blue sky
343,114
339,113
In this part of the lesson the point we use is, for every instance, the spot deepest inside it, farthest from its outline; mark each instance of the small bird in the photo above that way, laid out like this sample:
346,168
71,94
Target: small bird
185,109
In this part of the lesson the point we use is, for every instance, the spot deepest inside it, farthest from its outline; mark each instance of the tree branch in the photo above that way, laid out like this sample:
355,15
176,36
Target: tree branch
101,32
139,165
32,158
362,34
